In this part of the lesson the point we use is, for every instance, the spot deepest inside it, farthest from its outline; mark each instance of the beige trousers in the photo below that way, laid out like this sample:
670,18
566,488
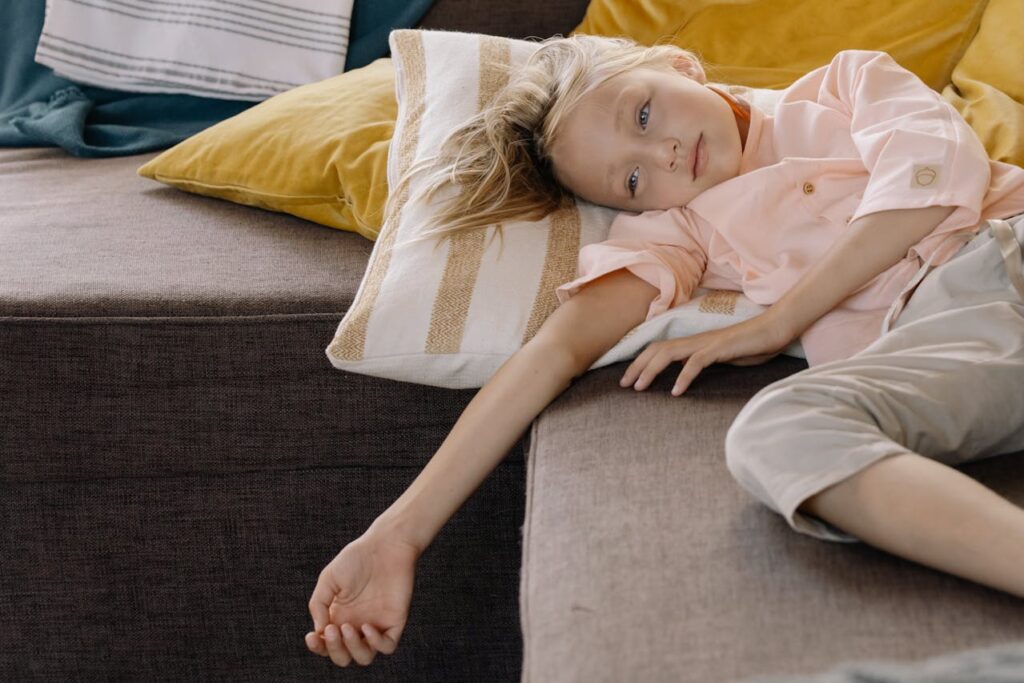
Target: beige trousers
945,380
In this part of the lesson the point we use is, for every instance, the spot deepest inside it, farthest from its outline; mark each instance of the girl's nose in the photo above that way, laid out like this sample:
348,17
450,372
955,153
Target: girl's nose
670,152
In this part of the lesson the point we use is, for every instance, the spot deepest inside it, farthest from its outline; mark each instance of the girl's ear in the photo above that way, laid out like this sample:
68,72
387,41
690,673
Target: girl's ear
689,68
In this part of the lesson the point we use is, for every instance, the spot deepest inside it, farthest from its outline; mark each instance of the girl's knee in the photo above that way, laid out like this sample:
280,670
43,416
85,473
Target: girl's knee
769,411
756,440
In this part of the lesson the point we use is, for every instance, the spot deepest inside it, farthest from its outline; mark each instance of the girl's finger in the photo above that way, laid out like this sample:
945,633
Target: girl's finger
373,637
632,376
654,368
632,371
360,650
316,644
639,363
335,648
644,379
690,371
377,640
321,601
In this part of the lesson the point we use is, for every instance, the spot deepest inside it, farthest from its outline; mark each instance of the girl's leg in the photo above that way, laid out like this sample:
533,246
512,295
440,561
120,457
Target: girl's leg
933,514
868,445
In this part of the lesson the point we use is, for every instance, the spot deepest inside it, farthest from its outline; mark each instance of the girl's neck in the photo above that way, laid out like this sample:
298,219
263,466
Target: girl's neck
741,110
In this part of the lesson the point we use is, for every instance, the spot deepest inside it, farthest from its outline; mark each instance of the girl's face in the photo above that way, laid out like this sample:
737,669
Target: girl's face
631,142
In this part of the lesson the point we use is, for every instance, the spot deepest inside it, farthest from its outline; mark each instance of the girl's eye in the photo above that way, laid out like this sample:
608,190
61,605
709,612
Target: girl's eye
645,117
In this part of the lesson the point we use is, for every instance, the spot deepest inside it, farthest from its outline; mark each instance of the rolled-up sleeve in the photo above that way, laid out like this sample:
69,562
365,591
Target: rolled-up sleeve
918,149
656,246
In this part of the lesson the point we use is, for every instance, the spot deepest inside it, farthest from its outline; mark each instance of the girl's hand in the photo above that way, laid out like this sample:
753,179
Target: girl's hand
366,587
753,341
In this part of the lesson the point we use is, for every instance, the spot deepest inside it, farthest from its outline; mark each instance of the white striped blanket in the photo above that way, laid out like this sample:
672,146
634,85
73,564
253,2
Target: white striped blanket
225,49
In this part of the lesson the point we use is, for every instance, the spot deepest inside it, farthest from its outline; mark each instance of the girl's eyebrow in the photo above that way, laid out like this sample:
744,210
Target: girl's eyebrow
618,109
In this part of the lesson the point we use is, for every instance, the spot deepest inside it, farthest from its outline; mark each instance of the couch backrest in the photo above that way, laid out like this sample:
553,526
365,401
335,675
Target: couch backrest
541,18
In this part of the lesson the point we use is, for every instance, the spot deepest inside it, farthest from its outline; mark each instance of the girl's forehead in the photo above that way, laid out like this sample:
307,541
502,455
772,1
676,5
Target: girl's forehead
612,87
618,88
634,76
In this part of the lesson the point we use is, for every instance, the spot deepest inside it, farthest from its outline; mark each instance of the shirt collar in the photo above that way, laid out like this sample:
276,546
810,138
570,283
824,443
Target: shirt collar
749,157
747,114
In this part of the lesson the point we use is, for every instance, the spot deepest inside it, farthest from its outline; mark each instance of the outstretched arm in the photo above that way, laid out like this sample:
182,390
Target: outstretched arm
570,340
367,587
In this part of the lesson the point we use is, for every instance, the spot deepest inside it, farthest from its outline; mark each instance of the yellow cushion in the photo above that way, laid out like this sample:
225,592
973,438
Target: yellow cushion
988,83
771,43
318,151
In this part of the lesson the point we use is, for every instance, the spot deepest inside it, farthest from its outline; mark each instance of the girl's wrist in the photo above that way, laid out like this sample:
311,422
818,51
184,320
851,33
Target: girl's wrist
781,323
398,528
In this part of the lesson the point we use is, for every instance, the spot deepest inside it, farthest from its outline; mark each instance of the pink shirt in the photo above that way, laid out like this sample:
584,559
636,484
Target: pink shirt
857,136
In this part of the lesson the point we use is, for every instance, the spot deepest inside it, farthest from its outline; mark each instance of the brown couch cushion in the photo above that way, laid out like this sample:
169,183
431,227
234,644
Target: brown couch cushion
644,560
113,285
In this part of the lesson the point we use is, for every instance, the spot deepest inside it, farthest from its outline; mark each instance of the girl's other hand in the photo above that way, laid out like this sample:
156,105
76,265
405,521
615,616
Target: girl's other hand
361,600
753,341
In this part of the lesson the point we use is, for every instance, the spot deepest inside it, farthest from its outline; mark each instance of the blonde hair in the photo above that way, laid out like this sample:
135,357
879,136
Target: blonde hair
499,161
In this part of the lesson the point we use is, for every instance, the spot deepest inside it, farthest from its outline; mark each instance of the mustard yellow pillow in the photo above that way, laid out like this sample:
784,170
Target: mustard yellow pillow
771,43
988,83
318,151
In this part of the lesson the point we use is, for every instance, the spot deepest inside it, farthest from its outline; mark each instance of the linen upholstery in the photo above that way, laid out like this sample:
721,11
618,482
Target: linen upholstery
643,560
1003,662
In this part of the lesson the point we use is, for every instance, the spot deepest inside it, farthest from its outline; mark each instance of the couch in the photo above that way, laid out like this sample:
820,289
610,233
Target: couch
178,461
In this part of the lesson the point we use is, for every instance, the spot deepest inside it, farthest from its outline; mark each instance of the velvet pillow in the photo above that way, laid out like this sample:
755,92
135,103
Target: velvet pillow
772,43
451,316
318,151
988,83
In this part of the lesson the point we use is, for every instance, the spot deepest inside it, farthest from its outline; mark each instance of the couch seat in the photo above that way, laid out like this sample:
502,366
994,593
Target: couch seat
643,560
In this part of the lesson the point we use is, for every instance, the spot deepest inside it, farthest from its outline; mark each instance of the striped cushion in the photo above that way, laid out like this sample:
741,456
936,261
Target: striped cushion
222,50
450,316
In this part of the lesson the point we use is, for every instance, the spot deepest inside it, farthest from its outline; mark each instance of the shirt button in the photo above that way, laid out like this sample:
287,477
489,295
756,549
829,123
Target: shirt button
808,188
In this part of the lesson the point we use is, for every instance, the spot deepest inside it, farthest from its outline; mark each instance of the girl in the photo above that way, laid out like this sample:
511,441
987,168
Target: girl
831,211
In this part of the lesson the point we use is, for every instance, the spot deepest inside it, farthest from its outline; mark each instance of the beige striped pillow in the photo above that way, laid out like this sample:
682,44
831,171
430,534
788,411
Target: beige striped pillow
450,316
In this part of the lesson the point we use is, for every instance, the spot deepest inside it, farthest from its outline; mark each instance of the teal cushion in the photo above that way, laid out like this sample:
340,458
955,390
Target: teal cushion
373,20
40,109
